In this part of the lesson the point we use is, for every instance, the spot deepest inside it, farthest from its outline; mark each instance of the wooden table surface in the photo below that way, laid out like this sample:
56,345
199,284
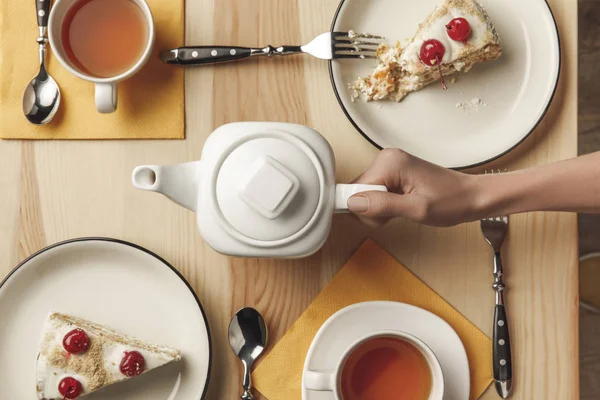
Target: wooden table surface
53,190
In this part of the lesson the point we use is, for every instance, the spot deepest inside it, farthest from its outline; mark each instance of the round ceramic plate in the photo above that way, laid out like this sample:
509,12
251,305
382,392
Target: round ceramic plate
116,284
351,323
515,90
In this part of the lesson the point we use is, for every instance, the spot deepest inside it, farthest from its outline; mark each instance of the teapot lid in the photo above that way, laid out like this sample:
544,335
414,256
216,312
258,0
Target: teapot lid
269,188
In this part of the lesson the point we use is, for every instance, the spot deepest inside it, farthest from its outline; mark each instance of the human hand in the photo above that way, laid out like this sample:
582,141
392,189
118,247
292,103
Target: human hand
418,191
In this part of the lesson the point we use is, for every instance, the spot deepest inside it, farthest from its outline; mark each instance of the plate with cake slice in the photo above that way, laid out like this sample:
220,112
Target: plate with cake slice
456,82
104,318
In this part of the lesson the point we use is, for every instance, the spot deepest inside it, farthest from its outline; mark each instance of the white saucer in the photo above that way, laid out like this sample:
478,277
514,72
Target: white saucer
517,88
114,283
353,322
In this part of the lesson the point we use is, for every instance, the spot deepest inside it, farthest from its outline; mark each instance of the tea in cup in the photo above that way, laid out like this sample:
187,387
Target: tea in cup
383,365
102,41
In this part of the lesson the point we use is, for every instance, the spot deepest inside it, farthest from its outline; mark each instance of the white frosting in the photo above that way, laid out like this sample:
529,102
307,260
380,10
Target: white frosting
48,377
113,353
410,61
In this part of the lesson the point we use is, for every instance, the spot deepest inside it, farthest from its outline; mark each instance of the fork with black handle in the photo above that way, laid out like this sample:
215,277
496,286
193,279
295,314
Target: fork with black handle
494,230
326,46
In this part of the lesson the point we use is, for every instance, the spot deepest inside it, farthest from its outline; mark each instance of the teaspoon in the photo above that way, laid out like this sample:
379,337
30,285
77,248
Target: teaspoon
42,95
248,338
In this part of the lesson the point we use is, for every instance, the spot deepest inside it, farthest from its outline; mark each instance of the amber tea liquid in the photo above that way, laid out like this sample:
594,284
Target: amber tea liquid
104,38
386,368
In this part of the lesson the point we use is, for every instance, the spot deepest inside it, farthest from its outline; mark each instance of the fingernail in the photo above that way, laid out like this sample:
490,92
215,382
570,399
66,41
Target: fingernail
358,204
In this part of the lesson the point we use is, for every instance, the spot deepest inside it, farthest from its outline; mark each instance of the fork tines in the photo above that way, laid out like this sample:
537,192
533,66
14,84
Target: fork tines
494,171
502,218
355,45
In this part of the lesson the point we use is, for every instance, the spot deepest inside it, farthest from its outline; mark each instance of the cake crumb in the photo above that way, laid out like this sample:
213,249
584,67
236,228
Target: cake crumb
475,104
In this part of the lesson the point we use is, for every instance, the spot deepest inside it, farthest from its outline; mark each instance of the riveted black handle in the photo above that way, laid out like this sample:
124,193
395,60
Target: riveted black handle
42,10
501,348
201,55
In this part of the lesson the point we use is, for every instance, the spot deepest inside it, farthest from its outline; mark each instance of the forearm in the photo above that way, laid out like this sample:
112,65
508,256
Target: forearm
572,185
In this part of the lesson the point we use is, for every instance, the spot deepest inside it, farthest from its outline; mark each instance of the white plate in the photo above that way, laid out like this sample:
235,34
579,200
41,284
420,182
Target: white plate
114,283
353,322
517,88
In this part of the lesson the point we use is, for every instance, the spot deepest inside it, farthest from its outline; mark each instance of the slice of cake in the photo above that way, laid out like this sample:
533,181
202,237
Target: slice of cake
78,357
457,35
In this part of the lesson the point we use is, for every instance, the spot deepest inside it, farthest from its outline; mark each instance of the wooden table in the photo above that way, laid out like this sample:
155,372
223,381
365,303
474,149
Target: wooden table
52,191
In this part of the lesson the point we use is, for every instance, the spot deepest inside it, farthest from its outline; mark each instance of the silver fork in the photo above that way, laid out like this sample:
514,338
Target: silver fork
326,46
494,230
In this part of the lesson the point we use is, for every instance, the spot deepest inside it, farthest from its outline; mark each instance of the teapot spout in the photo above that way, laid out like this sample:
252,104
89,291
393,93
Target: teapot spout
178,182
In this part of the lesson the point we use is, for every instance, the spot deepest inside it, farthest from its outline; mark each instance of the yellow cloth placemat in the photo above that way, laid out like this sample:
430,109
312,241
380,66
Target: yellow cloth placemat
151,103
371,274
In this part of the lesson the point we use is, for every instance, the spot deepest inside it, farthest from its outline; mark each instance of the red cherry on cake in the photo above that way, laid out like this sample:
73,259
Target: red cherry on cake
432,53
69,388
459,29
132,364
76,341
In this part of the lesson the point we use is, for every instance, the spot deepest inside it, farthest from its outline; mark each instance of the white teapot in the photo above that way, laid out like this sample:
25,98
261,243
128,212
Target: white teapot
261,189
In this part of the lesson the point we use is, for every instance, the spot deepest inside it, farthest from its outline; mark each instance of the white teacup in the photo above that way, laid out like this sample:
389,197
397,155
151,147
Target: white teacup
106,88
331,380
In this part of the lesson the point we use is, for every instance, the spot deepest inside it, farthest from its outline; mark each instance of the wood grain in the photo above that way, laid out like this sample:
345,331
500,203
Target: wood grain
53,191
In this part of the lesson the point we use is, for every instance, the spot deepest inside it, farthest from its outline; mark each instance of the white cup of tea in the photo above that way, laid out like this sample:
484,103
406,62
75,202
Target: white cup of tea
384,364
102,41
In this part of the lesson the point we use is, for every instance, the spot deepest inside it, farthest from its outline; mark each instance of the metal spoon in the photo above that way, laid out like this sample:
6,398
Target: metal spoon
42,96
248,338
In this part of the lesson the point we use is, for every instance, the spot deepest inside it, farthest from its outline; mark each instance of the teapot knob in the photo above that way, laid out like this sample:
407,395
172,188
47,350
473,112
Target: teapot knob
271,188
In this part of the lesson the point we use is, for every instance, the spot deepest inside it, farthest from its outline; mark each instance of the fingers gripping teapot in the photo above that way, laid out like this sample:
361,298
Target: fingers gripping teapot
261,189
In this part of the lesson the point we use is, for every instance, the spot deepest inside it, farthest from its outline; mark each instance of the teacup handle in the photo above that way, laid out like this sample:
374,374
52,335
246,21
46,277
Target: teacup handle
106,97
344,191
319,381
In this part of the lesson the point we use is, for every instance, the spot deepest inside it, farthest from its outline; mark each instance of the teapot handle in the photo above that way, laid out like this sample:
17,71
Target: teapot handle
344,191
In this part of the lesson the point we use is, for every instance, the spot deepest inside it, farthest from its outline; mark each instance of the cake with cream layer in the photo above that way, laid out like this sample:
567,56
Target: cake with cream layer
78,357
457,35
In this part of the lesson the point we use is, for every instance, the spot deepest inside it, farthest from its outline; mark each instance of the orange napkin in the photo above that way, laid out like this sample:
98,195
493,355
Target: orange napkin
151,103
371,274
